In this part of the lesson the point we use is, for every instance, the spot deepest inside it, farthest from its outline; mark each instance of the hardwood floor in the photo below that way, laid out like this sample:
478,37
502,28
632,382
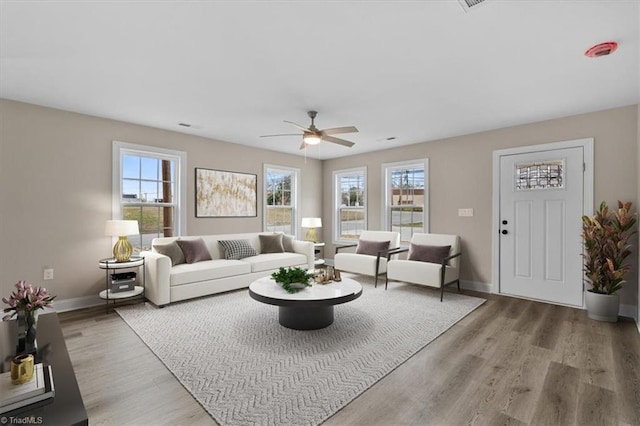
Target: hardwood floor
511,361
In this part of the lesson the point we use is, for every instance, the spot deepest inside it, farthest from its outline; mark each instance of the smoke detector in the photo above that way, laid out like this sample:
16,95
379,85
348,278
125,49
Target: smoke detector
601,49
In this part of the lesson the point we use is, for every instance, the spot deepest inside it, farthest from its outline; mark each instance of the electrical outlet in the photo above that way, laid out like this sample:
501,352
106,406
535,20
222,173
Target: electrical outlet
48,274
465,212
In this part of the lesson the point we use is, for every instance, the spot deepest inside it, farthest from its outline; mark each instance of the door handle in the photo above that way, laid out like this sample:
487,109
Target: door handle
505,232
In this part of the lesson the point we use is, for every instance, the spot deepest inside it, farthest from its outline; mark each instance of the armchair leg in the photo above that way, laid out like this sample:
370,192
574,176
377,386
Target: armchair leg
375,285
441,292
458,285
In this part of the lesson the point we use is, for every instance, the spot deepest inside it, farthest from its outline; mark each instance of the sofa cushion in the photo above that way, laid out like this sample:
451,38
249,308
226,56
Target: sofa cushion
271,243
426,253
287,243
423,273
359,264
268,261
194,250
236,249
172,250
207,270
371,247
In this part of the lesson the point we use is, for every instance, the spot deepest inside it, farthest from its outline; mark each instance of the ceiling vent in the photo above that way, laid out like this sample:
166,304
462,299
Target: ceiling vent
470,4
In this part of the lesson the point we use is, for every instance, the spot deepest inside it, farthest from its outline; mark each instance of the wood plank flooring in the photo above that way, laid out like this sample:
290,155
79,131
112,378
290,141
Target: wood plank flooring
511,362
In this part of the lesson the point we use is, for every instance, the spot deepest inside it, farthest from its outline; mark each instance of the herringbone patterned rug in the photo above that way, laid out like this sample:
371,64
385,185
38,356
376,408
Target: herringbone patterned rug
231,354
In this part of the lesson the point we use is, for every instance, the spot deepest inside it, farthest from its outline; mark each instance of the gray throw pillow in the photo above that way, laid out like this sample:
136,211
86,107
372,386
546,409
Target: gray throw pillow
431,254
271,243
287,243
172,250
236,249
194,250
371,247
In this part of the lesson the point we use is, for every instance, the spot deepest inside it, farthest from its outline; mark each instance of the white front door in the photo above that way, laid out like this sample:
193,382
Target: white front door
541,205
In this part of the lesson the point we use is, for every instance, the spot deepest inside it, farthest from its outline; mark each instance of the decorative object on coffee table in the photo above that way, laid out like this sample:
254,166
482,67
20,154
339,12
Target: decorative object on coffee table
24,304
292,280
122,250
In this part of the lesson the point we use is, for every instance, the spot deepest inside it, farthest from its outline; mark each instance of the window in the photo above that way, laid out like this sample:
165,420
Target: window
406,197
280,199
149,187
545,175
349,194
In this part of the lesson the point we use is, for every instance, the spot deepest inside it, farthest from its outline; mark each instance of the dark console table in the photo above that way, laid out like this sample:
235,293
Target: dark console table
66,408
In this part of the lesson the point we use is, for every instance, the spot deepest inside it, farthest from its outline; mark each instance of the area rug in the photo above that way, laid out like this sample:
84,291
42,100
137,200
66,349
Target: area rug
231,354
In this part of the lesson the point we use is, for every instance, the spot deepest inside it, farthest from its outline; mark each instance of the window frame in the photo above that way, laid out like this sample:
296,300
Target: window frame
337,200
295,195
120,149
387,169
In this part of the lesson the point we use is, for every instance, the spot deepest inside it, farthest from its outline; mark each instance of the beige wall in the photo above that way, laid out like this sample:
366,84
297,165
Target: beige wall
55,190
55,186
460,171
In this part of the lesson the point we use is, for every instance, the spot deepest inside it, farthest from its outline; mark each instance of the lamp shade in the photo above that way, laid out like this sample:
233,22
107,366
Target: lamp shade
311,222
117,228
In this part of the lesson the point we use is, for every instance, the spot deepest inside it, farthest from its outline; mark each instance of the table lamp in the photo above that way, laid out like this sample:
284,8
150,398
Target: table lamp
122,250
312,223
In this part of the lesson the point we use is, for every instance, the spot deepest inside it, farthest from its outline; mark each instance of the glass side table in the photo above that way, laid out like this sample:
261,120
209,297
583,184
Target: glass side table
110,265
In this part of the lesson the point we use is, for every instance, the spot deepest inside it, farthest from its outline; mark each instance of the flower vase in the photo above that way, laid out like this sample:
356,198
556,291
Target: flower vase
27,326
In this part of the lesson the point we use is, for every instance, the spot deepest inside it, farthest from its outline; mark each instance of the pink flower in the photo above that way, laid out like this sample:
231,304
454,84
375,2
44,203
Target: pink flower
27,298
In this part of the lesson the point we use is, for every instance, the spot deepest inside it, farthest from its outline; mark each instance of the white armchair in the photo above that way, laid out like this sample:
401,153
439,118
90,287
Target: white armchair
371,256
429,263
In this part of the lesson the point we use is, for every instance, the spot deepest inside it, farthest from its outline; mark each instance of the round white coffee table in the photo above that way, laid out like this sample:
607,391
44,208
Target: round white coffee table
310,308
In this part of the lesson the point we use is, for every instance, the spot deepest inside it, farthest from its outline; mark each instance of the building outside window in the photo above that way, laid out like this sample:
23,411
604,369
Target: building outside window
149,187
350,213
281,199
406,198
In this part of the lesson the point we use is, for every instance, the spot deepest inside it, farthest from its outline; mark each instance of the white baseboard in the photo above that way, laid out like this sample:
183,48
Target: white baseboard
629,311
476,286
75,303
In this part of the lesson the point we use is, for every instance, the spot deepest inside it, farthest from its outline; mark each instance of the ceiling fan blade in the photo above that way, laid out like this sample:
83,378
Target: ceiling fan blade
304,129
303,146
338,130
338,141
284,134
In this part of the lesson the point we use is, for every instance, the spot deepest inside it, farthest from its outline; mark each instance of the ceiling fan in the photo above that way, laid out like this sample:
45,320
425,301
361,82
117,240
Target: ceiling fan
312,135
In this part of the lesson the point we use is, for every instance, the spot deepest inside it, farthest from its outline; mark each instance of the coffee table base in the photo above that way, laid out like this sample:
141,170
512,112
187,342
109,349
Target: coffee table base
305,318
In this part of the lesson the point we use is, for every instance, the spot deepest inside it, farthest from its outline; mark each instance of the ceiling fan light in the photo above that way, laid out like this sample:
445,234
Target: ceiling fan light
311,139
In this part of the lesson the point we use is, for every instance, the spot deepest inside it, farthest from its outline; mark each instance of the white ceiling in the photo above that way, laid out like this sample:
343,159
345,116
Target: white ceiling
414,70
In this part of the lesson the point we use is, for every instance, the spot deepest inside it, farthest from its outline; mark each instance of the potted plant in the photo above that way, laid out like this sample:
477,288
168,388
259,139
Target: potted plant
606,246
293,280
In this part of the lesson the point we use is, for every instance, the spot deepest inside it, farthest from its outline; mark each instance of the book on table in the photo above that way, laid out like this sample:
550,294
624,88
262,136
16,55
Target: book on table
38,389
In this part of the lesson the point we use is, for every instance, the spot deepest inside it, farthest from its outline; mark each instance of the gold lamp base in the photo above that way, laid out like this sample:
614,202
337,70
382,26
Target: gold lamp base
123,249
312,235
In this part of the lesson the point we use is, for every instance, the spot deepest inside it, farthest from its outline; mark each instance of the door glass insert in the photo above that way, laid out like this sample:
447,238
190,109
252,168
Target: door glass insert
540,175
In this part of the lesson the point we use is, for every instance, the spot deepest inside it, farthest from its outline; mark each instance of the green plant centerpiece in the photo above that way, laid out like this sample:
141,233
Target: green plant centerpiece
293,279
606,237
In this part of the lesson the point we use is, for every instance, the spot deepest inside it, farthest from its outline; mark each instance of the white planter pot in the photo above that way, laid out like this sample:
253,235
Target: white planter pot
602,307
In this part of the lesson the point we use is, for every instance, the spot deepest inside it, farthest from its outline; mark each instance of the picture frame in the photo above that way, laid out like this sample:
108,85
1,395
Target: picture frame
221,193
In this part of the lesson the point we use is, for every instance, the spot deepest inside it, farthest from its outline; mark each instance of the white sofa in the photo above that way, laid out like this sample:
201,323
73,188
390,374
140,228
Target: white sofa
166,283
